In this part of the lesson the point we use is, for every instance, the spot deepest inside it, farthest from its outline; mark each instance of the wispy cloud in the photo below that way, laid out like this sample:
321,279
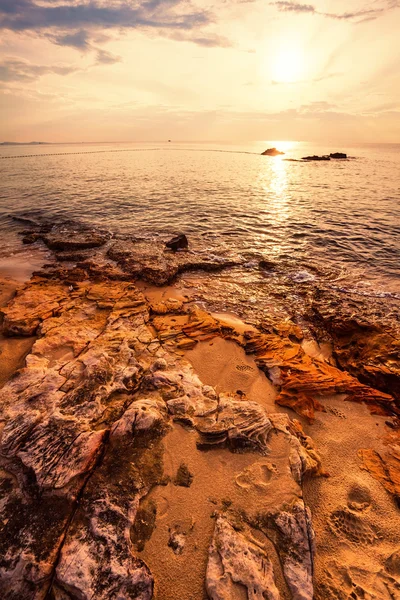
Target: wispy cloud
294,7
314,80
107,58
359,16
13,69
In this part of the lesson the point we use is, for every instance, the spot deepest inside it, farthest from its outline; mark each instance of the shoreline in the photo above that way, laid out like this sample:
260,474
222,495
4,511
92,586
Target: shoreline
168,440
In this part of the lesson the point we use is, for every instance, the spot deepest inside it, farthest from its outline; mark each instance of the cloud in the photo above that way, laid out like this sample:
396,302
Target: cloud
79,39
294,7
82,24
23,15
107,58
314,80
359,16
13,69
207,40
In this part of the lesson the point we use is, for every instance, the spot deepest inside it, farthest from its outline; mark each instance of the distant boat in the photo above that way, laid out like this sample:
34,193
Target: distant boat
271,152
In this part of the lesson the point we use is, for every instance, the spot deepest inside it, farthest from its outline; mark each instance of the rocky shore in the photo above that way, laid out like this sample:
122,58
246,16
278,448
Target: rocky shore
153,446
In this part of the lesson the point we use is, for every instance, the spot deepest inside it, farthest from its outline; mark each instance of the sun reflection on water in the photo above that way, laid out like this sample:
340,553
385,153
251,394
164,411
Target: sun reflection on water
274,181
275,197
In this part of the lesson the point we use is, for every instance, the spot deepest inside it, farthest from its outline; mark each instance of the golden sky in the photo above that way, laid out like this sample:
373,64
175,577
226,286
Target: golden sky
226,70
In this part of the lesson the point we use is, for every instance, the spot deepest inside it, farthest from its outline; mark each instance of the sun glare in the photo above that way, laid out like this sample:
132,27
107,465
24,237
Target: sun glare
282,145
287,64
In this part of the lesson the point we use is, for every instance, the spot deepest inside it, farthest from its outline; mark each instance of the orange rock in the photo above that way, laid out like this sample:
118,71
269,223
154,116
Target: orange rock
300,377
301,404
385,466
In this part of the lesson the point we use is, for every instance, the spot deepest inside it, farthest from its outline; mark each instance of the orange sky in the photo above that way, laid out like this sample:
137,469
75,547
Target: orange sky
234,70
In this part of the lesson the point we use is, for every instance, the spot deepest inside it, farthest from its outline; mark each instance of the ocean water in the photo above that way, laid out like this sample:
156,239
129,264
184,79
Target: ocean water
342,215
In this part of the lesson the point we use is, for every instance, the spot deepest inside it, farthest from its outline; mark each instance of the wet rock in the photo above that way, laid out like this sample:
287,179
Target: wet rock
78,241
72,256
366,341
338,155
31,306
179,242
151,263
316,158
68,236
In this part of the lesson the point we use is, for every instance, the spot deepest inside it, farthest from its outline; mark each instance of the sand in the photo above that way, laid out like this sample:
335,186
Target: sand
12,350
225,365
220,479
20,267
359,545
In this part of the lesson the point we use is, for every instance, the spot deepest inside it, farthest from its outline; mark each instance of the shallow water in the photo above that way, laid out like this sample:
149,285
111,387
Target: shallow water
341,215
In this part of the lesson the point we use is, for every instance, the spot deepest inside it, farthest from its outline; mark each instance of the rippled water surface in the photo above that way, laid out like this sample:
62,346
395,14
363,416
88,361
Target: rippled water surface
344,214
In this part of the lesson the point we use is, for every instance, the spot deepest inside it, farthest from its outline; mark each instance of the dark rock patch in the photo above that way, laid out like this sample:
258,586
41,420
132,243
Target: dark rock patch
179,242
183,477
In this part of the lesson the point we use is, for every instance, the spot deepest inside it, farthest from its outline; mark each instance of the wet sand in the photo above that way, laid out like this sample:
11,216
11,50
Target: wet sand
12,350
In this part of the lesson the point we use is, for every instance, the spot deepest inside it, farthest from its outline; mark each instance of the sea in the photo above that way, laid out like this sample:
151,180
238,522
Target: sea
338,219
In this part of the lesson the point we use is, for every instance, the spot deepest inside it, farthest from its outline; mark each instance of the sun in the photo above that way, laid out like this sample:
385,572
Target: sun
287,64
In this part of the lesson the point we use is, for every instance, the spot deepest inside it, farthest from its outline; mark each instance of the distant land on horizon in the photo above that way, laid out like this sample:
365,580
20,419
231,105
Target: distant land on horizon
25,143
227,142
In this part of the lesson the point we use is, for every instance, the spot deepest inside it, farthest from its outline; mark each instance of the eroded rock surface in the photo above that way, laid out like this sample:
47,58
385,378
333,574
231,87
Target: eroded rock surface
84,424
236,562
366,340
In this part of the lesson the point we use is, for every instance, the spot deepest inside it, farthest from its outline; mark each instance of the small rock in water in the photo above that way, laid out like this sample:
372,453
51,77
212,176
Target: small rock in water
315,157
178,242
338,155
271,152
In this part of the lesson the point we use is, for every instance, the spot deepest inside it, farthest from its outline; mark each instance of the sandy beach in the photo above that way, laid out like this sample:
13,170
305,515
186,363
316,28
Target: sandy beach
156,446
